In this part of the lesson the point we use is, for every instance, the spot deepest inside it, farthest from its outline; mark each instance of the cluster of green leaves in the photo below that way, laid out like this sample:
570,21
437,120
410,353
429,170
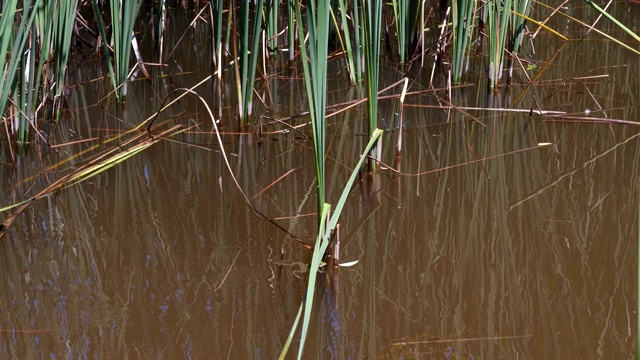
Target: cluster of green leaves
35,41
35,47
123,18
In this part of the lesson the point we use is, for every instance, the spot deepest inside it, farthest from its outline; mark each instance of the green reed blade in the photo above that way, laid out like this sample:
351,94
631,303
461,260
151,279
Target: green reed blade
326,226
257,28
43,26
324,233
315,70
123,15
248,54
161,15
521,7
498,20
374,140
64,21
372,24
463,18
347,40
359,34
291,29
614,20
322,241
105,45
217,10
272,24
292,332
406,16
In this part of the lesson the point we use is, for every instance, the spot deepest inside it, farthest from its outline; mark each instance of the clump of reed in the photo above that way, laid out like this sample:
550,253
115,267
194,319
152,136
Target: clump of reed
246,49
123,18
26,86
35,42
12,60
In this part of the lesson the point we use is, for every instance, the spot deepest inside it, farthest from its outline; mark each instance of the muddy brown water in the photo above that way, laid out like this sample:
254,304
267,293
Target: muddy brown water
489,247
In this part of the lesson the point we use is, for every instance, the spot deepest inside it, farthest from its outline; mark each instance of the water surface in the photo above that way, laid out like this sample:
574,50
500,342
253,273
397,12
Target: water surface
488,246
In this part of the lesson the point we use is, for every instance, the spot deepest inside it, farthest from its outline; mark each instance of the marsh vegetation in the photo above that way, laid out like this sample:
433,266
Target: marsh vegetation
254,179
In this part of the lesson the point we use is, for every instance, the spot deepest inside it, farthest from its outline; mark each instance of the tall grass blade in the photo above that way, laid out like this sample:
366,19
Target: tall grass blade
43,26
521,9
123,16
498,20
248,54
292,332
375,140
271,16
372,24
217,10
64,21
315,70
322,242
359,35
105,45
406,15
161,15
347,40
291,29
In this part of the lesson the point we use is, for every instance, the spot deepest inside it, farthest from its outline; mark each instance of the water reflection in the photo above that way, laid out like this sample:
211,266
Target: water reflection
523,254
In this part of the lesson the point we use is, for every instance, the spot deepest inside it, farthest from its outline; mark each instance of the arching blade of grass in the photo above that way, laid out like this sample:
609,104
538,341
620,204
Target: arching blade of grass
327,225
614,20
375,140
